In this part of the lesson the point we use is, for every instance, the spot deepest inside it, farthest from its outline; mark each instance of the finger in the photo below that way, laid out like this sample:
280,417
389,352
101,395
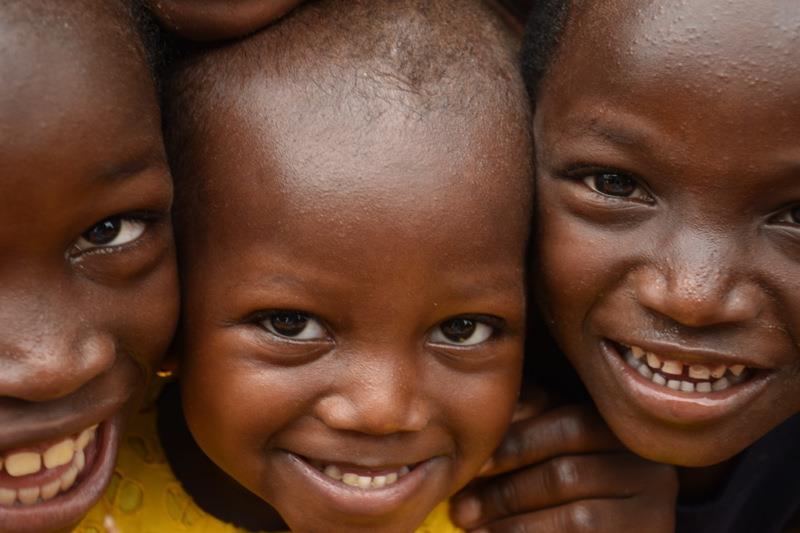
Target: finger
559,481
595,516
572,429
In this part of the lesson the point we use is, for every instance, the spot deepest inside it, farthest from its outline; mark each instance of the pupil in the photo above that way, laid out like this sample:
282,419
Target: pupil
796,214
104,232
615,184
458,329
289,324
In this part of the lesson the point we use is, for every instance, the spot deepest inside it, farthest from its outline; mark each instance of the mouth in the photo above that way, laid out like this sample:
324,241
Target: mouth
52,484
365,492
684,389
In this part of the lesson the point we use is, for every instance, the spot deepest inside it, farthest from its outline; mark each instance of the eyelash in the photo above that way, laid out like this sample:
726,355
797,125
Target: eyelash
590,175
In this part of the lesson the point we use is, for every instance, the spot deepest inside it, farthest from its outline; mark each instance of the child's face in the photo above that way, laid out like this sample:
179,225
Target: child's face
88,289
353,306
668,152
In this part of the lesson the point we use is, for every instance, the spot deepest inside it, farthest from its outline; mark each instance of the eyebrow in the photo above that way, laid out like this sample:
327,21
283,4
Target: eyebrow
131,167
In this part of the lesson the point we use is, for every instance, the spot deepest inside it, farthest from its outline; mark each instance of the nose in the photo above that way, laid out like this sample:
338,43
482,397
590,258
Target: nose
49,358
380,396
699,281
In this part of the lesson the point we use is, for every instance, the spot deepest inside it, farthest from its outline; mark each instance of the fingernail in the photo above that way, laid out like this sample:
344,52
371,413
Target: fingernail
467,511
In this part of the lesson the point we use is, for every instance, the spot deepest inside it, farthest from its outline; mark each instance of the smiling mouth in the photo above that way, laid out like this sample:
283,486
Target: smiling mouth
39,473
683,376
361,477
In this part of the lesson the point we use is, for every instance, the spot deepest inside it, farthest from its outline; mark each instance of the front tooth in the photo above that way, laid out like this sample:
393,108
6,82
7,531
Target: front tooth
703,386
378,482
718,371
50,490
68,478
23,463
674,384
638,353
737,369
720,384
672,367
333,472
364,482
403,471
391,478
699,372
687,386
29,496
658,379
653,360
350,479
645,371
80,460
7,496
631,360
85,437
59,454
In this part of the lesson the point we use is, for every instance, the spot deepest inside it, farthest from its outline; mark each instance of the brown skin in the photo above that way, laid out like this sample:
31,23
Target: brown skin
703,257
210,20
82,320
381,230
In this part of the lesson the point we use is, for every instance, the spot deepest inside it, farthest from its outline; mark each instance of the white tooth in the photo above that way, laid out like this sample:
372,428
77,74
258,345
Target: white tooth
334,472
85,437
7,496
59,454
350,479
50,490
378,482
645,371
658,379
720,384
718,371
80,460
638,353
23,463
28,496
364,482
672,367
632,361
391,478
653,360
68,478
735,380
687,386
674,384
699,372
403,471
737,370
703,386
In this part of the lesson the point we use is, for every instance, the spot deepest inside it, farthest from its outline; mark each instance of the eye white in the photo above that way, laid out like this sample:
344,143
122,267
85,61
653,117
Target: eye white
312,330
129,231
480,334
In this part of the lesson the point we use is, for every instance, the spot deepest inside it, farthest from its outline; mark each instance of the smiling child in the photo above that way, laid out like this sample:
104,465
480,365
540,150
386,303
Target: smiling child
88,288
667,151
354,243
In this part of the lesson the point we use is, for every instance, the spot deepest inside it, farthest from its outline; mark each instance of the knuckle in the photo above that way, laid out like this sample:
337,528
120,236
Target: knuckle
506,498
573,427
582,517
563,472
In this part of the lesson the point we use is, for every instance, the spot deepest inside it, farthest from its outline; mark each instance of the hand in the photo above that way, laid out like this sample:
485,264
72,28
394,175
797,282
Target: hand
210,20
564,471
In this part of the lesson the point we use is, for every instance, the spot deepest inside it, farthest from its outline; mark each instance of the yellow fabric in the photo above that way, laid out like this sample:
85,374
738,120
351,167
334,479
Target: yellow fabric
145,497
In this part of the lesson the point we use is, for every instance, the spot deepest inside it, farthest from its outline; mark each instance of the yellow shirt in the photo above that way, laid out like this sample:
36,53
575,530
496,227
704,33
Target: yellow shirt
144,496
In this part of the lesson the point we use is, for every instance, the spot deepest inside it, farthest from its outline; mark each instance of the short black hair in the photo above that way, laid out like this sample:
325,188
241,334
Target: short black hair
546,24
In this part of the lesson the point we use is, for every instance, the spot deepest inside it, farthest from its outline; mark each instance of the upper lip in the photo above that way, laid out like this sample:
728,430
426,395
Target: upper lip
699,354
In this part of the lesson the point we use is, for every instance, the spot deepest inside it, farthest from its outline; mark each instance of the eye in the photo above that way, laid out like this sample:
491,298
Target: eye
790,216
294,325
111,232
617,185
461,331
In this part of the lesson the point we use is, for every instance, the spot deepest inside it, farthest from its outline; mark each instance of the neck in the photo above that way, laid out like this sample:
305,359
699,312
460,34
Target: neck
212,490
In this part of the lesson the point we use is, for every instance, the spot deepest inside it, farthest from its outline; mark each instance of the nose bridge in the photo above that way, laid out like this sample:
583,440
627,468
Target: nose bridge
47,349
378,394
699,278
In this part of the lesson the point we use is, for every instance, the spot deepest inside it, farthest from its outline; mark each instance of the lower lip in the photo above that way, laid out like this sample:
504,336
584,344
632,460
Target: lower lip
364,503
65,510
684,407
